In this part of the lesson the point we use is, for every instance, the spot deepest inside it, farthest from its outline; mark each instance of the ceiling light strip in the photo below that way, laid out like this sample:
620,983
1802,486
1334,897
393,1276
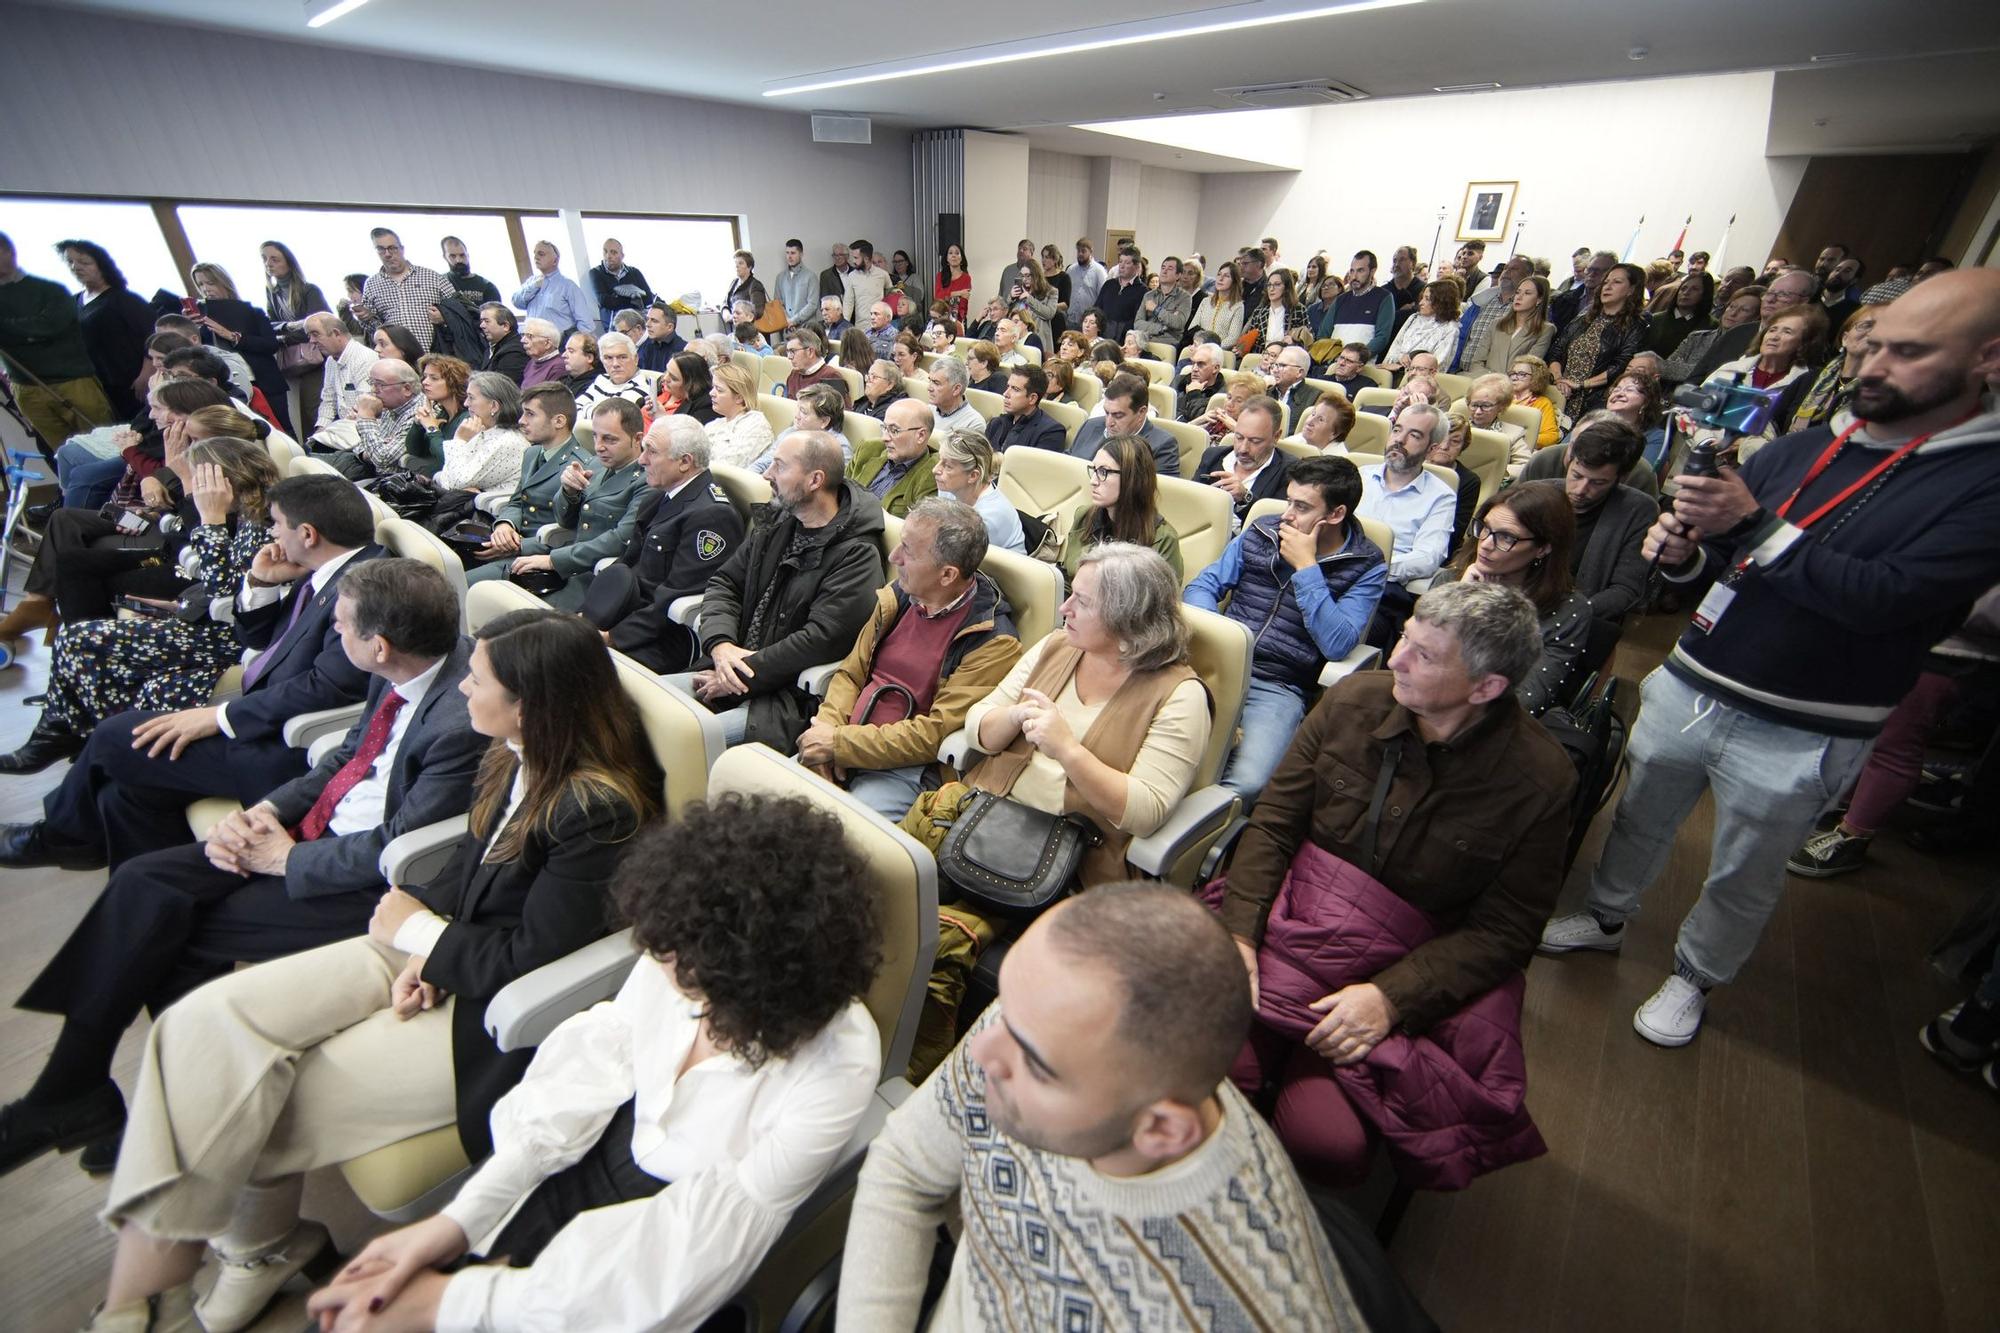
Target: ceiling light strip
1088,39
327,13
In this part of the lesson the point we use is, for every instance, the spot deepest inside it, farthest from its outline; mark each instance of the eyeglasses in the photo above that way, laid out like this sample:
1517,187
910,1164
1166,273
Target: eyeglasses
1101,473
898,432
1502,541
1518,375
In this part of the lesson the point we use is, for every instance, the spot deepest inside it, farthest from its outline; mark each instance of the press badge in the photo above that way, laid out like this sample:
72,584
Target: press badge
1720,595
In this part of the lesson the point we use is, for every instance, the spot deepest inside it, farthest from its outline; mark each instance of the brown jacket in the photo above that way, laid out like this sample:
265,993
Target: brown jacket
982,653
1473,831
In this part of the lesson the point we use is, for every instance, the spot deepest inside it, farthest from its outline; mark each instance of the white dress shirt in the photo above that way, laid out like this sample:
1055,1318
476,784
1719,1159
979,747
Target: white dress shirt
345,379
741,1147
249,598
366,804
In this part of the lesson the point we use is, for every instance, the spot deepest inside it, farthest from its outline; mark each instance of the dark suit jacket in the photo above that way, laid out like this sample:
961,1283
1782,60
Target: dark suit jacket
509,918
1166,449
311,671
1270,483
509,357
682,540
1613,572
1725,346
1300,397
431,779
1037,430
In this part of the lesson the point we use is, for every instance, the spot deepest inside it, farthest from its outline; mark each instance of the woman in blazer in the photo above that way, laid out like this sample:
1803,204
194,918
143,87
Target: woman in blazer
229,321
1524,330
311,1060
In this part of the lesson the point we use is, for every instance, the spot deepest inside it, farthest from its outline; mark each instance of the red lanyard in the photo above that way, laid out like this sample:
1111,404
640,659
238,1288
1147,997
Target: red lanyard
1825,459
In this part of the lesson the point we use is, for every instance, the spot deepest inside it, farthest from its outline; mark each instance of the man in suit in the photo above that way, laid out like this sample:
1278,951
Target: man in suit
1127,411
597,513
128,791
1288,381
663,341
1023,424
296,870
505,352
682,533
1251,467
548,421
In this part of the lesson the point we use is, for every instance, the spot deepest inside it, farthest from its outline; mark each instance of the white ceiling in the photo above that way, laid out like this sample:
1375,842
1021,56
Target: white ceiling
729,53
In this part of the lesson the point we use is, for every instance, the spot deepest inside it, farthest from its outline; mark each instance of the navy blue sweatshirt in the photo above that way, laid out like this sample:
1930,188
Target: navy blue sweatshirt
1830,625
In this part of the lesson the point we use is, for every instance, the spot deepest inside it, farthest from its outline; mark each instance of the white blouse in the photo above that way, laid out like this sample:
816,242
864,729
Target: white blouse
742,1149
488,462
1424,334
740,440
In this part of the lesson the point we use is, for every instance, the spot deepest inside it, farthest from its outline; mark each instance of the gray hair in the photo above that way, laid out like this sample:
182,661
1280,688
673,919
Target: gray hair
611,340
951,370
1139,600
1440,419
1498,630
503,391
541,328
889,369
809,338
958,535
683,436
400,371
625,321
322,322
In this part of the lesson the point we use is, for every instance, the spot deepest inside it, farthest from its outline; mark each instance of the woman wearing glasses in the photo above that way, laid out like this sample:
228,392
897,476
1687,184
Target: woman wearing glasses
1123,507
1522,537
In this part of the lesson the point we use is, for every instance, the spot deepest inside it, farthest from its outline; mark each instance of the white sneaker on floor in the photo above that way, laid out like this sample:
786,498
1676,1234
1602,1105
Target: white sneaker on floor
1578,930
245,1287
1673,1015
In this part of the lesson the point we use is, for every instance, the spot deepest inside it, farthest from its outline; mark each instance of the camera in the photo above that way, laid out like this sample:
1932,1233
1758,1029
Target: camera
1735,408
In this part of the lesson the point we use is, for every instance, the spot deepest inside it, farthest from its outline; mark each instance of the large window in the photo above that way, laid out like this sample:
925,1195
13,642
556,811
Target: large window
333,242
129,231
679,256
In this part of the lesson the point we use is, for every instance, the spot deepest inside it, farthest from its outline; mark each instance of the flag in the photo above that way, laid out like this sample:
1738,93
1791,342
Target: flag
1721,246
1633,243
1680,241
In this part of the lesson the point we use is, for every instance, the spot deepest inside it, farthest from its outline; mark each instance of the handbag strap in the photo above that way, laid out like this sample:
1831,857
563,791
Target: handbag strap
1391,754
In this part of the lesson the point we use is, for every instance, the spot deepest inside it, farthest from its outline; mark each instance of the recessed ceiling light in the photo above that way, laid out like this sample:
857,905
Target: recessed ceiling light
1231,18
319,13
1465,88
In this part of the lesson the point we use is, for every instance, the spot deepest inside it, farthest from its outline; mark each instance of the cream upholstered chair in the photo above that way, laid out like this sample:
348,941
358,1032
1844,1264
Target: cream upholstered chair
1296,448
1033,588
1163,400
859,429
1045,483
1087,389
853,381
1201,515
1457,386
772,370
1326,387
1161,352
1192,441
987,405
781,413
1379,375
416,542
1368,435
745,489
409,1180
1485,454
309,465
284,452
918,387
1528,419
752,362
1070,416
1374,397
1158,372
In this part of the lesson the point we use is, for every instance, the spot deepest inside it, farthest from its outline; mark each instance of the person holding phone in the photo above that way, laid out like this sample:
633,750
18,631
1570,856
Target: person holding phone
228,321
1035,302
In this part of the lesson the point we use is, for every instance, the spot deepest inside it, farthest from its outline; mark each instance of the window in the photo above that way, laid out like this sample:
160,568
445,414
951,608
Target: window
331,243
679,256
128,231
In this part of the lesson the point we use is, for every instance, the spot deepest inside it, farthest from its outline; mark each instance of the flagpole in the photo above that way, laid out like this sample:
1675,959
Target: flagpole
1721,247
1680,241
1431,268
1520,221
1633,243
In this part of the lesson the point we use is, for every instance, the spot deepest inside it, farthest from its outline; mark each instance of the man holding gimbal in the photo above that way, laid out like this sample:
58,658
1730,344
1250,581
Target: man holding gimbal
1836,557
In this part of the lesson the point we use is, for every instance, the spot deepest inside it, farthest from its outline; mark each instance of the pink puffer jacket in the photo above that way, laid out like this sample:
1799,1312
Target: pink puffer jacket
1450,1104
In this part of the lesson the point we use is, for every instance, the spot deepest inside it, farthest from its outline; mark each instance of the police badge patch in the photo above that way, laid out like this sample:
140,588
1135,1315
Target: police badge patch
708,545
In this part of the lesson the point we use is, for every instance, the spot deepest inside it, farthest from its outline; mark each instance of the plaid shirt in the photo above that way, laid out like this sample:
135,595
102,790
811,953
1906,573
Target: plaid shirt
383,440
1474,346
406,301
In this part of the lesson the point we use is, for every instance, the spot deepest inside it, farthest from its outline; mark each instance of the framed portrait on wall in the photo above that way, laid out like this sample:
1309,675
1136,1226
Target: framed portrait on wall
1488,208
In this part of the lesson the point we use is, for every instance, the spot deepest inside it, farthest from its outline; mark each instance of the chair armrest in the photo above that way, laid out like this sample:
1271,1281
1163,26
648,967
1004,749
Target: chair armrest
549,533
684,610
528,1008
604,564
1202,813
222,610
322,746
958,747
1418,587
302,730
814,679
418,855
1363,658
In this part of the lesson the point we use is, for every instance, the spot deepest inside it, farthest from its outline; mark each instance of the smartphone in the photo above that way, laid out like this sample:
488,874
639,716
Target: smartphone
147,607
130,522
190,307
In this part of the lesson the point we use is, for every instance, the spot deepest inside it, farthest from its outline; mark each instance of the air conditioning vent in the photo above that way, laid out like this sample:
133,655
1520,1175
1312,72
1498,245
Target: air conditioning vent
842,129
1306,92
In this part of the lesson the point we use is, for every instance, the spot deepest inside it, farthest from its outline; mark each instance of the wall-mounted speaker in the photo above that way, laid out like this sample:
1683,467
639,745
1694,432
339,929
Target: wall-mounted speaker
842,129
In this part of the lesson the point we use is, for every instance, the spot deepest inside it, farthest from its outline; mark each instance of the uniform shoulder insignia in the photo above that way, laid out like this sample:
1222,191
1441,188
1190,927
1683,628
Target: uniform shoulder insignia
717,494
709,544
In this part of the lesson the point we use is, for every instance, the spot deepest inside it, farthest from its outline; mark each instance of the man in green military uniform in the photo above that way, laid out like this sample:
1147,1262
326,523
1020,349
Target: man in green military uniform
684,527
597,513
548,420
896,469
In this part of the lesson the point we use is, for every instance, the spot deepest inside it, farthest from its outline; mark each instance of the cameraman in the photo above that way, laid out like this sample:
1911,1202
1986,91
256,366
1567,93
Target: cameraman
1837,556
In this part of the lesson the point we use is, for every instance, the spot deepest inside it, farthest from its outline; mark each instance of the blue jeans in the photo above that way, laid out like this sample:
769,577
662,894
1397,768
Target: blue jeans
1771,783
735,721
889,792
1272,712
86,479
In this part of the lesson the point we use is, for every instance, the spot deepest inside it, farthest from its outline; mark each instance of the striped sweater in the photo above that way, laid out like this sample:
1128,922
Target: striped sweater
1223,1239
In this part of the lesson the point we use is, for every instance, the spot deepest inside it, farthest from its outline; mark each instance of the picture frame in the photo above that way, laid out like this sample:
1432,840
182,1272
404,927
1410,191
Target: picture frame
1488,210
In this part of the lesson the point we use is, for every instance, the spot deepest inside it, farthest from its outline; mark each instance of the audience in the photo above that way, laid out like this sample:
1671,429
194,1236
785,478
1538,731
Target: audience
738,433
227,320
581,366
393,342
806,350
551,463
1523,538
1520,327
1249,466
621,377
553,295
1417,506
881,389
1021,423
400,293
115,324
1786,352
1789,288
1125,412
898,468
1326,424
1530,379
1433,329
1222,311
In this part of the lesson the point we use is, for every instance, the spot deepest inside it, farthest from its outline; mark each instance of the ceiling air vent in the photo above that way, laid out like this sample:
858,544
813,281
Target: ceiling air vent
842,129
1305,92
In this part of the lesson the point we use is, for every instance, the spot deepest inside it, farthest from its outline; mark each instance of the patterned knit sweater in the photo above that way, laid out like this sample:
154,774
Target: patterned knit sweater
1224,1239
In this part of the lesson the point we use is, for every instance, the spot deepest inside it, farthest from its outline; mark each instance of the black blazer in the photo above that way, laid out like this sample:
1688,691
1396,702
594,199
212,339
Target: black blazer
509,357
1270,483
431,780
509,918
311,671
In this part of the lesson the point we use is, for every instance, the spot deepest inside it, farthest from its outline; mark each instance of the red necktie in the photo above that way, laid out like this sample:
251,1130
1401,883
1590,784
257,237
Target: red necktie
373,742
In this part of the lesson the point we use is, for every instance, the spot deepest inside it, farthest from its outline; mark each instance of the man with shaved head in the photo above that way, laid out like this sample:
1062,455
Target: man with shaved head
1838,556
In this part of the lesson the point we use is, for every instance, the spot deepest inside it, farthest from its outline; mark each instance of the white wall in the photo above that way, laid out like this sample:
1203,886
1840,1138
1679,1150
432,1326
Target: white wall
1058,199
136,109
1590,160
996,207
1169,206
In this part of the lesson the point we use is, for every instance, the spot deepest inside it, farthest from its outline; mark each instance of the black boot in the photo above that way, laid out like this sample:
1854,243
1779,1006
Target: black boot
27,1130
49,744
23,846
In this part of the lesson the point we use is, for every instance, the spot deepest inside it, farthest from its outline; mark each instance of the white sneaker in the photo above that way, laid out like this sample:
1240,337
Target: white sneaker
1673,1015
1578,930
244,1287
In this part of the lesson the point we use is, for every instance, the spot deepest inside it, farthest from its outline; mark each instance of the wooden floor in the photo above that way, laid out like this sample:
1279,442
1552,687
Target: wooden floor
1803,1165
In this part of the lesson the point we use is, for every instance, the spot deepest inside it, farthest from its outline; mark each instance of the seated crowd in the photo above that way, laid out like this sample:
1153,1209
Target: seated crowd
819,532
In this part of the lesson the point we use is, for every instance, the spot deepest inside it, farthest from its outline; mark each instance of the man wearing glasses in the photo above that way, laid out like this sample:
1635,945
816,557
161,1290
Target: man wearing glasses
1567,305
896,469
1417,506
807,353
401,292
1250,467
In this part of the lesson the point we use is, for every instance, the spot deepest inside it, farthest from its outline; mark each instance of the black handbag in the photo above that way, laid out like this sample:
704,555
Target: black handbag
1012,858
410,494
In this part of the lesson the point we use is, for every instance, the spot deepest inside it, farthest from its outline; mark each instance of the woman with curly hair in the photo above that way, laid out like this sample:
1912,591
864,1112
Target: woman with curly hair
302,1062
661,1141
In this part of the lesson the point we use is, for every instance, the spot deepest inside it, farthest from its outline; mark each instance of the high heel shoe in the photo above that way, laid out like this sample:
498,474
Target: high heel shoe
32,613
